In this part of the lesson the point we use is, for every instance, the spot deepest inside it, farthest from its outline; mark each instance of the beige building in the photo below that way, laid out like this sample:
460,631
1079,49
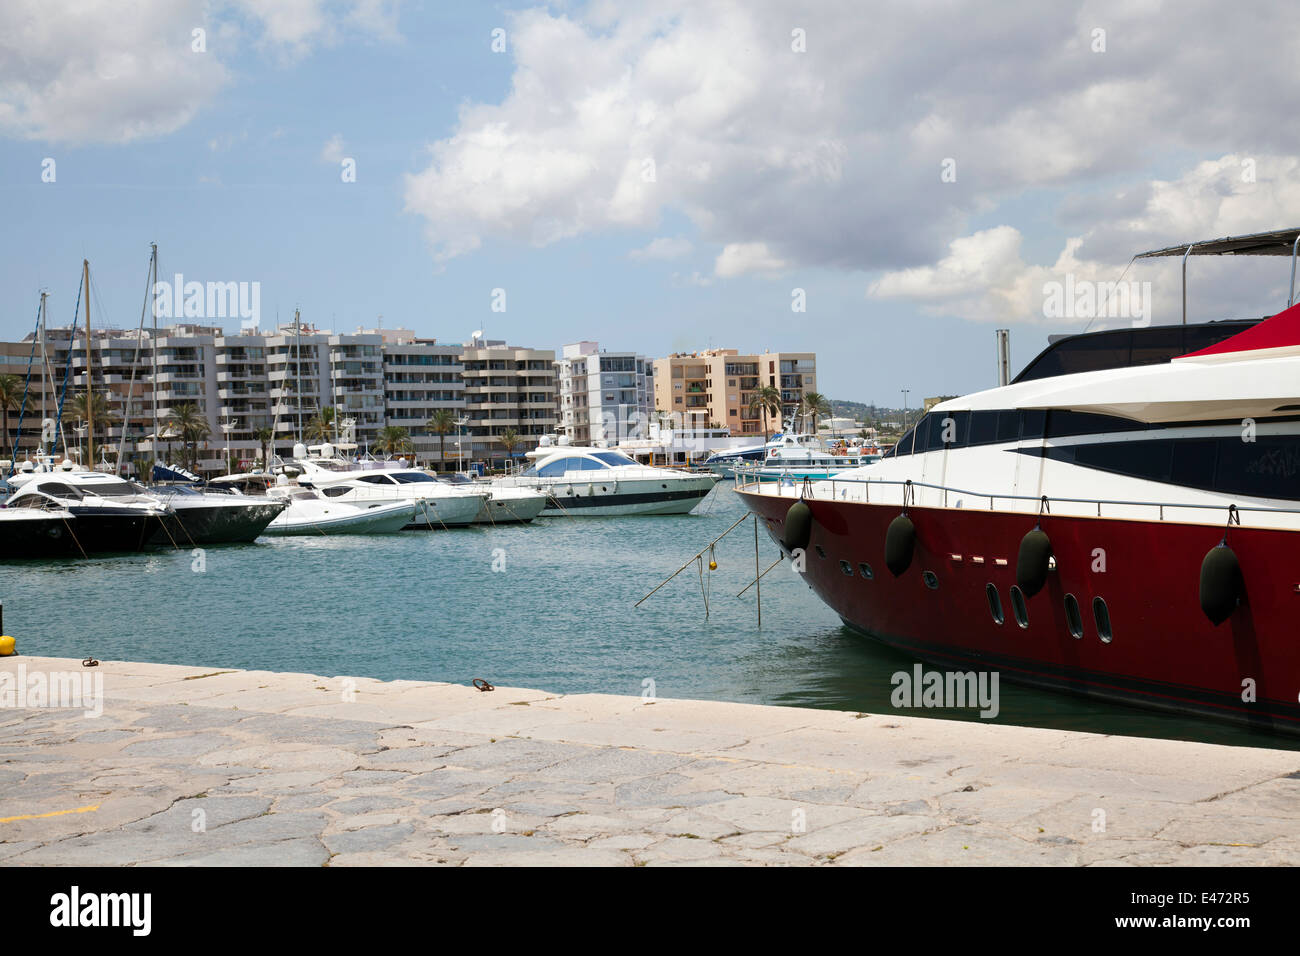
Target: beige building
506,387
714,388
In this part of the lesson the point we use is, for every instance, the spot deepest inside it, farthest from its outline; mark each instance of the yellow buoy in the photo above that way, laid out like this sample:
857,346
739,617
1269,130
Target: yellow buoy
6,645
713,565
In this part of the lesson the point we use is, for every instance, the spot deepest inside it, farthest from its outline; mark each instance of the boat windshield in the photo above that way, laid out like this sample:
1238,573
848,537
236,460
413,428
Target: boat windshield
57,489
614,458
115,488
412,477
558,467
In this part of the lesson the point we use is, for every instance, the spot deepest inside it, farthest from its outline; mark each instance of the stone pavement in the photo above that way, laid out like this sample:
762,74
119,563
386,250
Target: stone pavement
189,766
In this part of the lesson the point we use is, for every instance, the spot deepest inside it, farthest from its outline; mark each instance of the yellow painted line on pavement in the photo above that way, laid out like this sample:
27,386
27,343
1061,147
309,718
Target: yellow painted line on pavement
52,813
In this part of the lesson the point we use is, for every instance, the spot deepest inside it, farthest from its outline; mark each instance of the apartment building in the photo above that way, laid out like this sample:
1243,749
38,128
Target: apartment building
421,377
714,387
603,396
507,388
240,384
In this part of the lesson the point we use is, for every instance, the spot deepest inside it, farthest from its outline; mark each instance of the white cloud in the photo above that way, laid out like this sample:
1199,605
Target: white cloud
832,157
333,150
96,71
738,258
984,277
664,247
77,72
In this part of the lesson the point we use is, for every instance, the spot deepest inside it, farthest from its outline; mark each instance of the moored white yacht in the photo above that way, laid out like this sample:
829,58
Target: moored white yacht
504,505
437,504
309,512
797,457
581,480
1121,520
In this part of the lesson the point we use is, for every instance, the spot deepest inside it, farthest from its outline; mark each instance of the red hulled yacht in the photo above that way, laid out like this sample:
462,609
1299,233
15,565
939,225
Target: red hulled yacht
1121,520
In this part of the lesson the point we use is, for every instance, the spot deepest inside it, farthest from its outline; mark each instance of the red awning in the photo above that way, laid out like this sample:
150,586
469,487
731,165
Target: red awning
1281,330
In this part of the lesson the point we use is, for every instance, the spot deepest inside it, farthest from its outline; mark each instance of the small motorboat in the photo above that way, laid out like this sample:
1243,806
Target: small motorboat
311,513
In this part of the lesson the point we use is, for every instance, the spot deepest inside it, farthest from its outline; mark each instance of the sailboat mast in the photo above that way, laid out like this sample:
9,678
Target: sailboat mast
153,307
90,377
297,348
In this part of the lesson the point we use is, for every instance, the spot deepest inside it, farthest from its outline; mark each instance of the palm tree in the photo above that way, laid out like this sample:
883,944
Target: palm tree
815,405
193,426
766,400
322,424
77,410
11,387
442,421
265,436
393,439
510,439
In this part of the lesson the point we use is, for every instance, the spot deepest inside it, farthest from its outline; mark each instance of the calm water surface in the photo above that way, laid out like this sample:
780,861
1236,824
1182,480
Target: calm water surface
558,617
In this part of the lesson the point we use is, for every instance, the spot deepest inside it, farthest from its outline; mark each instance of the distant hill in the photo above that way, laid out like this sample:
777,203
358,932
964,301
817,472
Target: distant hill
856,410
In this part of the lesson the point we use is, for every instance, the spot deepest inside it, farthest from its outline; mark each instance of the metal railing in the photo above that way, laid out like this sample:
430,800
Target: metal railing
747,481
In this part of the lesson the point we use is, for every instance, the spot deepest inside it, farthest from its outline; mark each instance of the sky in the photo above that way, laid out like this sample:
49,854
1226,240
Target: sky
883,184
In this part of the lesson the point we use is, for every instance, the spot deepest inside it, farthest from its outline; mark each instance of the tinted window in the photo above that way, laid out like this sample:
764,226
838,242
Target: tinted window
1008,425
954,426
112,489
1141,459
1061,424
983,428
1032,424
1119,348
412,477
1101,615
995,603
1268,467
1073,618
1018,607
59,490
375,479
1194,462
558,467
904,446
614,458
1157,345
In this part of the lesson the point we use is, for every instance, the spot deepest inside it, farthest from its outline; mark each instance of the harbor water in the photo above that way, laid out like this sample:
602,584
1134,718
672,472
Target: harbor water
549,605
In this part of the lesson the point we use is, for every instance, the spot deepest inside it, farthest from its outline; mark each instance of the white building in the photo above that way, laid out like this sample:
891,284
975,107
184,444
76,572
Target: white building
604,396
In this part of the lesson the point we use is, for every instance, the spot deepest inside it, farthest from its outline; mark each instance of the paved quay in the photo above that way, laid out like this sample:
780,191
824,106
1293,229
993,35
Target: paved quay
200,766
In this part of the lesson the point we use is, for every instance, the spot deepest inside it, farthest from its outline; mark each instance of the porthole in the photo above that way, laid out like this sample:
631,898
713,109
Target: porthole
1018,606
846,568
1073,616
931,580
865,570
821,552
1101,615
995,603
